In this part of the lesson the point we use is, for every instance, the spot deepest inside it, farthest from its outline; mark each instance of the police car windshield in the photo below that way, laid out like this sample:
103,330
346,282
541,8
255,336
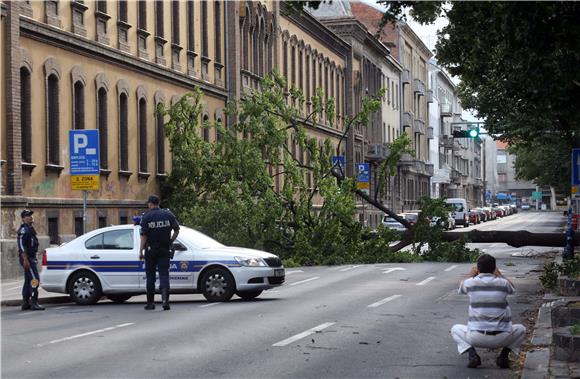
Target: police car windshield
197,239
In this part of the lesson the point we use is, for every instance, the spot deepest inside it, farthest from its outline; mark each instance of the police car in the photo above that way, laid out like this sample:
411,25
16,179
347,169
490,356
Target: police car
105,262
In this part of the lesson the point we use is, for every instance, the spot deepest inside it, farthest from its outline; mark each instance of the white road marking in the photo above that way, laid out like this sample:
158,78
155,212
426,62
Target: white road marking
299,336
348,268
12,288
66,306
304,281
293,272
86,334
381,302
394,269
450,268
426,281
208,305
28,313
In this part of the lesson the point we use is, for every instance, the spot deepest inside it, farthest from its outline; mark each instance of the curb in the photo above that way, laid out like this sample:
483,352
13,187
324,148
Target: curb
537,361
41,301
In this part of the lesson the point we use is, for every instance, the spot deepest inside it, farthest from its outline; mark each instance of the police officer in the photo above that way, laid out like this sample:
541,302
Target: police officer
27,249
156,241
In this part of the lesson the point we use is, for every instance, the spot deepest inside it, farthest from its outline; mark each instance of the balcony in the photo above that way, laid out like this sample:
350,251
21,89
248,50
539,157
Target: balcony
429,169
420,167
419,87
429,96
454,175
406,77
446,142
479,182
419,127
430,132
456,147
376,151
445,110
407,120
406,161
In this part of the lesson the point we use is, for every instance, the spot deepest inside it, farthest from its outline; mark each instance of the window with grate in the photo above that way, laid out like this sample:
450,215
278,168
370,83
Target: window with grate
78,226
53,230
123,220
102,115
25,115
142,135
53,120
217,12
175,22
102,6
123,10
142,15
204,30
102,221
160,144
123,133
79,106
159,18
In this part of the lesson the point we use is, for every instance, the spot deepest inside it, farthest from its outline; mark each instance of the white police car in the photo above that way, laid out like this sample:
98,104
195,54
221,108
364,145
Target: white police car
105,262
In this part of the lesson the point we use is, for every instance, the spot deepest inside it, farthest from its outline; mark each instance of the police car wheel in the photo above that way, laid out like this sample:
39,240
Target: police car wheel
119,299
249,295
85,288
218,285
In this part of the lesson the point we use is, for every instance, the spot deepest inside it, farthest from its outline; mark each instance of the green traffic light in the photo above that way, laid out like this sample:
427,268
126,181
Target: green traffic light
473,133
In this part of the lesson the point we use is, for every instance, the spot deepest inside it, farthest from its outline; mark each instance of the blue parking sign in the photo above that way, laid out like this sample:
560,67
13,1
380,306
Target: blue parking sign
84,152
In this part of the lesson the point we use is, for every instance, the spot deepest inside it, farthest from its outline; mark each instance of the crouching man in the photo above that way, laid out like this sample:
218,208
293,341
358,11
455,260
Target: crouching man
490,319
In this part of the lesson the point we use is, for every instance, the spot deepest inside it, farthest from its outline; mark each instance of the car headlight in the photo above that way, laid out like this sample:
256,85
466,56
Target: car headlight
251,262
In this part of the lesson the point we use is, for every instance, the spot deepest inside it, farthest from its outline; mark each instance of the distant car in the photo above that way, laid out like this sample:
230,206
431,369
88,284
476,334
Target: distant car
482,214
391,223
447,223
474,217
490,213
525,206
106,262
411,216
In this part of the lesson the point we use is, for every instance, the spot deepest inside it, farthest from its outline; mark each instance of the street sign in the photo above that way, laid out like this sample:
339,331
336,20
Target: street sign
84,182
363,177
338,159
537,195
84,159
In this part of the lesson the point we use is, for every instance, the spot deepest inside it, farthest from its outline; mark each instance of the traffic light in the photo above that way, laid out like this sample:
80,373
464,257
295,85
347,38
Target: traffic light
471,133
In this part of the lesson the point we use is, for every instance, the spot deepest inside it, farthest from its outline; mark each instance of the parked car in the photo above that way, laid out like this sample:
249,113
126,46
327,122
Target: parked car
393,224
498,211
460,211
446,223
411,216
482,215
106,262
474,217
489,213
525,206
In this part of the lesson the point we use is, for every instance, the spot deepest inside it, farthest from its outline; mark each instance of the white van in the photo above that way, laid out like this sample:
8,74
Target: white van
460,211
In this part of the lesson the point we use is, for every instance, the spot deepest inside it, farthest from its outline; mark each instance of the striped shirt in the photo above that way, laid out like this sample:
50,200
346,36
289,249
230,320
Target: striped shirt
488,306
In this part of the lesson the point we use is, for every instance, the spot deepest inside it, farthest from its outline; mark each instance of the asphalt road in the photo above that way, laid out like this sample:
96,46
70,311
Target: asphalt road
361,321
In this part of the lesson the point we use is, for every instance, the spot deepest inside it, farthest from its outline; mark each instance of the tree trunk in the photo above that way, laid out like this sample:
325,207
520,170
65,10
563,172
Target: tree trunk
517,238
552,198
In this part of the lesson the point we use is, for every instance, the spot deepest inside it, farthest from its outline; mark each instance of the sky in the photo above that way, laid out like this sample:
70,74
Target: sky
428,34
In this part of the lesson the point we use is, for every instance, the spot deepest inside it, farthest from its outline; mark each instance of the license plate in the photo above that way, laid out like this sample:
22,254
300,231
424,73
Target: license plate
279,272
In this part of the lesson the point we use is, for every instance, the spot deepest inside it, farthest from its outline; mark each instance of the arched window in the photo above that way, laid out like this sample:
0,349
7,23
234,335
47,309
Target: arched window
255,48
25,115
246,42
260,48
142,135
285,62
160,131
102,114
300,70
293,66
123,132
53,118
218,134
79,105
307,84
205,128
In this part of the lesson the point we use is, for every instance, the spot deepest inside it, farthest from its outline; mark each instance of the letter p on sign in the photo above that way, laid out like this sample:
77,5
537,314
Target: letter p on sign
80,141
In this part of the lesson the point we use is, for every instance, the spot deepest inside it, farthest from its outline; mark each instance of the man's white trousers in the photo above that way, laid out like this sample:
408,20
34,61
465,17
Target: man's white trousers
466,339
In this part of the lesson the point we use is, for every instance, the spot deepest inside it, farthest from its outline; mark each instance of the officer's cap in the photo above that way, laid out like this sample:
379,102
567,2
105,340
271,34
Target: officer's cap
153,199
26,212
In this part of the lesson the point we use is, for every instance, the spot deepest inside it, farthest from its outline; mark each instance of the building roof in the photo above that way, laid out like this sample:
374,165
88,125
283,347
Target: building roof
336,8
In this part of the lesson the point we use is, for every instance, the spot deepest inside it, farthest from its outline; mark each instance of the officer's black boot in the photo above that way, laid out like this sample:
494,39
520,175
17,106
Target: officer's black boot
503,359
150,301
25,304
165,299
34,304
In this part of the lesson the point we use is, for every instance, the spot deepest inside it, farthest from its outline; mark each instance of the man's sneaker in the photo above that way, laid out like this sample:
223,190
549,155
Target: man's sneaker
503,359
474,359
149,306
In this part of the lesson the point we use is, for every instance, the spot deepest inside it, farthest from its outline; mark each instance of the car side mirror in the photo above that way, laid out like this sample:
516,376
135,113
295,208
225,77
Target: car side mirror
178,246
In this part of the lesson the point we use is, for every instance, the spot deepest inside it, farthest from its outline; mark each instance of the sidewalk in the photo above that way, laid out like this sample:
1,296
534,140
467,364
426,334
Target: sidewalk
11,294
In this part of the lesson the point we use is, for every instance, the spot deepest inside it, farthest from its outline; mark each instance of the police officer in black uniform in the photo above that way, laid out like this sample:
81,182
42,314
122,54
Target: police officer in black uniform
27,249
156,242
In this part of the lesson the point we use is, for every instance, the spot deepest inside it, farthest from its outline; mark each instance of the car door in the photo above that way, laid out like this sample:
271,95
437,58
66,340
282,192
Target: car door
180,269
114,255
